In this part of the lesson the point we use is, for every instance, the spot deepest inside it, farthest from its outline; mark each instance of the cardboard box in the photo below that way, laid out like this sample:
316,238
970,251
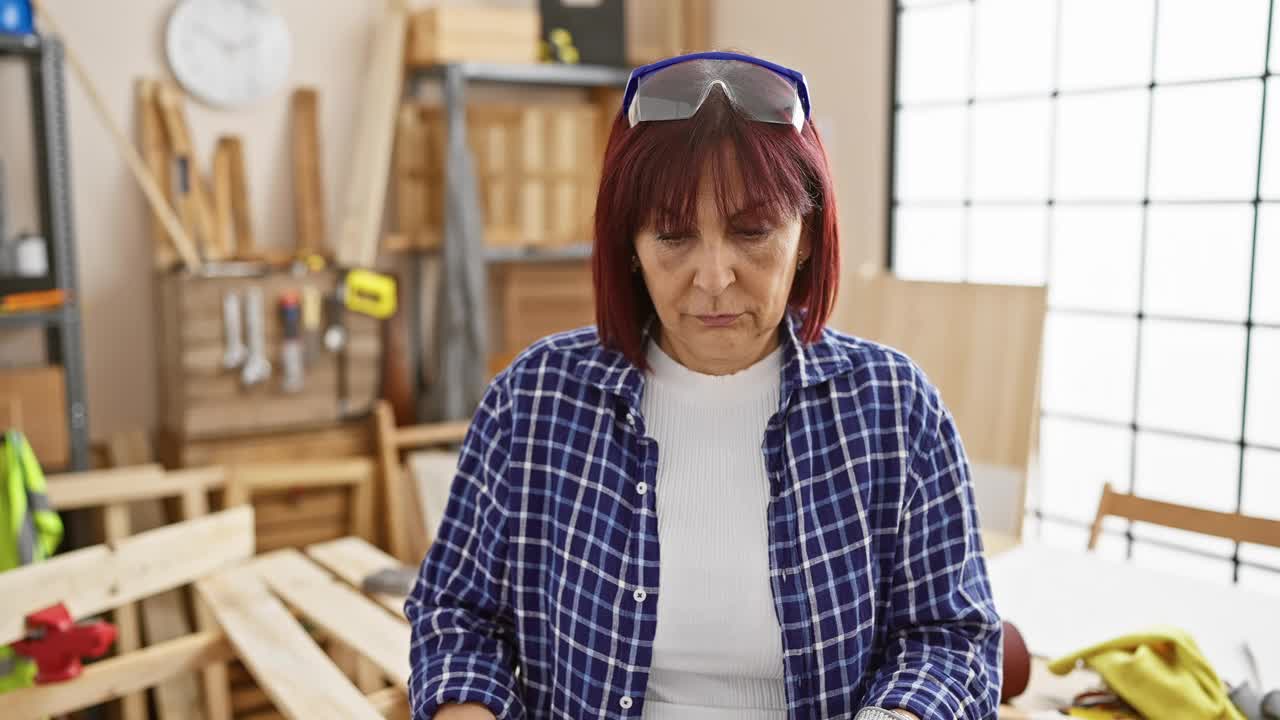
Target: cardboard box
476,34
34,401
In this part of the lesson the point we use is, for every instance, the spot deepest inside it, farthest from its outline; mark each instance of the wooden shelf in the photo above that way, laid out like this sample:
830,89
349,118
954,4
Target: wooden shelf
533,74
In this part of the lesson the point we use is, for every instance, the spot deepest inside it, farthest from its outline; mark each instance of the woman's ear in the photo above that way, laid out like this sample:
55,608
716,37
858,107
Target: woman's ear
806,239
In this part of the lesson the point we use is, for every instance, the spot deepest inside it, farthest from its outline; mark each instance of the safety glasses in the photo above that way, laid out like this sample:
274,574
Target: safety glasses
674,89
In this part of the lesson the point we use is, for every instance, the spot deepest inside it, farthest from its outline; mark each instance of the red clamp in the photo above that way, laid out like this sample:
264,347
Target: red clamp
57,643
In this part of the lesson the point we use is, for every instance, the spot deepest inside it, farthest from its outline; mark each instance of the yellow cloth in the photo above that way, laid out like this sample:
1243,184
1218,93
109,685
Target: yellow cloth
1160,672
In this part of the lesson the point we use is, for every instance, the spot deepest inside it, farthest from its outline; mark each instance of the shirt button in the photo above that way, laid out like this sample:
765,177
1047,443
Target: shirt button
631,419
626,702
642,488
640,595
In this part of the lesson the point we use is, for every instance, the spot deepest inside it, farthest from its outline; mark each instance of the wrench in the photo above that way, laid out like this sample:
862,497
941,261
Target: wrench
257,368
232,333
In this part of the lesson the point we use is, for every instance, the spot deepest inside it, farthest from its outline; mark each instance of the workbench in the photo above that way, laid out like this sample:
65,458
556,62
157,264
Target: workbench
1064,600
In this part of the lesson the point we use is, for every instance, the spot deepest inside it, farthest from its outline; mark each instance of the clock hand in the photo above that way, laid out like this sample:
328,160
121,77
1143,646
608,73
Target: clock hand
214,37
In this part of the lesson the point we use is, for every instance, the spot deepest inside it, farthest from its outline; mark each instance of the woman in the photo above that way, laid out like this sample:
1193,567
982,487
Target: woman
709,506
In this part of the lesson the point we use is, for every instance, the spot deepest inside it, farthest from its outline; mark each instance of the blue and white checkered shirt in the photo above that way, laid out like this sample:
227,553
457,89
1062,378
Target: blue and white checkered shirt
529,602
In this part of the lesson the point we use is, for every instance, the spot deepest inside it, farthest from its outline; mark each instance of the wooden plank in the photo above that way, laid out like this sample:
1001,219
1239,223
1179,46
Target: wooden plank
300,536
248,699
351,438
308,188
194,196
116,526
339,610
99,578
371,153
241,215
392,702
361,510
223,212
265,477
274,511
164,616
156,154
95,488
981,346
119,676
427,435
393,488
301,681
195,504
369,677
353,559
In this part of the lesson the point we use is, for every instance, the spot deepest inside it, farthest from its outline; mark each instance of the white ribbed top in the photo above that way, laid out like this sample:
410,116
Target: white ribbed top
717,651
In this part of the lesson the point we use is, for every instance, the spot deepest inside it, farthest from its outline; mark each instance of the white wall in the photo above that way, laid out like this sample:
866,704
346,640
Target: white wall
841,45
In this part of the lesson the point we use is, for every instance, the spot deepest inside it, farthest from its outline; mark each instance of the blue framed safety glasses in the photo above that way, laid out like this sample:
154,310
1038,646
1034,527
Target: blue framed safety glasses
674,88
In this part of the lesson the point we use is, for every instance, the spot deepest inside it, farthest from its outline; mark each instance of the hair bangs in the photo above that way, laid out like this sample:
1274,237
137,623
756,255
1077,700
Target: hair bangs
751,166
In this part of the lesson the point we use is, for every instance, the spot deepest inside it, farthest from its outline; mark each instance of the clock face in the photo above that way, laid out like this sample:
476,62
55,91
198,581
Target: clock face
228,52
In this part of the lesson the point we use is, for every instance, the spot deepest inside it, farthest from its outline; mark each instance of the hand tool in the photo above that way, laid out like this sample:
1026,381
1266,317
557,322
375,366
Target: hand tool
57,643
1249,699
369,293
390,581
234,352
291,342
257,368
335,333
312,308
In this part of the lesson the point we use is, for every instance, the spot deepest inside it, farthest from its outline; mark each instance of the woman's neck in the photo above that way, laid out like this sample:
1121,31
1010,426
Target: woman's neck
728,365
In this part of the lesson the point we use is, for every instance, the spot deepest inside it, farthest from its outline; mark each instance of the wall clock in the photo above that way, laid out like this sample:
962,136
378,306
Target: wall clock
228,53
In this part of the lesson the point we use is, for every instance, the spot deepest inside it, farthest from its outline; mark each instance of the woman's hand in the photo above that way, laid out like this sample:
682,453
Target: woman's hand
466,711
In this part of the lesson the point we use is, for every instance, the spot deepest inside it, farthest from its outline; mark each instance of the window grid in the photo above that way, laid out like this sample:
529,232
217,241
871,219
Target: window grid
1141,315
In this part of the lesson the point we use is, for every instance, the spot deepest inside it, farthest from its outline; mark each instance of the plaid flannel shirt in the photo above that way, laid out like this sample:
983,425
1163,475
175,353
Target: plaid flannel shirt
527,600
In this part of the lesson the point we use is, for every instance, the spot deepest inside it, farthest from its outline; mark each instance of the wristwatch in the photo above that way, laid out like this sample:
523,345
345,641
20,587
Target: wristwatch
873,713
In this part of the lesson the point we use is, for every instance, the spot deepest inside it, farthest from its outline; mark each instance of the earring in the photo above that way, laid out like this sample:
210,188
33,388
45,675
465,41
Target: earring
635,263
800,263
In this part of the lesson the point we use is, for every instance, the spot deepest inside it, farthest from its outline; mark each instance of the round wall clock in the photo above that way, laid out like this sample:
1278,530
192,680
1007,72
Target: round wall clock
228,53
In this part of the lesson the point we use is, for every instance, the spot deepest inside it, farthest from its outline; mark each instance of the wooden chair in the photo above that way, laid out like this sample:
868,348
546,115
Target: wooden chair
407,531
1232,526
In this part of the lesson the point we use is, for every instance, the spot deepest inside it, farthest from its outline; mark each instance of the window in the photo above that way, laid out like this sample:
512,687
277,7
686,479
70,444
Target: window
1128,156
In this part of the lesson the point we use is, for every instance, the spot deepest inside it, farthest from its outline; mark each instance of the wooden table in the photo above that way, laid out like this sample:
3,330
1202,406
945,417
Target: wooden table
1063,600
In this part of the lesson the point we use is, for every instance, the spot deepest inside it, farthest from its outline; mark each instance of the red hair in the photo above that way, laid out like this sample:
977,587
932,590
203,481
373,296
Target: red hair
658,166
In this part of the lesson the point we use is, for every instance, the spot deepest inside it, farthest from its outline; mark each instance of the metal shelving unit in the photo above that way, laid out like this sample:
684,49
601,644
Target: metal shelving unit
462,346
44,58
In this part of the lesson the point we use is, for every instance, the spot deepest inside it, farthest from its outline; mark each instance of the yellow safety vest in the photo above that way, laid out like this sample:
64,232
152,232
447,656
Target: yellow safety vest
29,532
